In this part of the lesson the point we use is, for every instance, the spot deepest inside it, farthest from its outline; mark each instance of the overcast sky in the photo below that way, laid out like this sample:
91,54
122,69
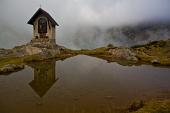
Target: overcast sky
71,14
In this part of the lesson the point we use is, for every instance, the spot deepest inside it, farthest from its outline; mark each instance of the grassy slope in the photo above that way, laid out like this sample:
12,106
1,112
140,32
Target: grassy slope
159,50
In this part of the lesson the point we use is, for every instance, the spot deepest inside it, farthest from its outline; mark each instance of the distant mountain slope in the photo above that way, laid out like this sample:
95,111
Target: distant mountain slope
93,37
142,33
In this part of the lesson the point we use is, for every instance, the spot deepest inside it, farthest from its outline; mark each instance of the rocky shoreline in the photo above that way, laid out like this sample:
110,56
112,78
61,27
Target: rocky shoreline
14,59
154,53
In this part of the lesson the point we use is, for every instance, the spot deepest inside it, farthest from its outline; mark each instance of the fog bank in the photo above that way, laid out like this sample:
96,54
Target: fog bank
83,23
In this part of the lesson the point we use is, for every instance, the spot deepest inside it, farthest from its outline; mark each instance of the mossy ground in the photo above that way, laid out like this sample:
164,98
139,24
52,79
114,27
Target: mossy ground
11,60
162,106
99,53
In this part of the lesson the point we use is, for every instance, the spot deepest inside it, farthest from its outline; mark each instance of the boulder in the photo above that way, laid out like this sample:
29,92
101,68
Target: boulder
11,68
123,53
32,50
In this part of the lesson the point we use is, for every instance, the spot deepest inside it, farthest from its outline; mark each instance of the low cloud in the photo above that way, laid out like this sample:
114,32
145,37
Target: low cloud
78,19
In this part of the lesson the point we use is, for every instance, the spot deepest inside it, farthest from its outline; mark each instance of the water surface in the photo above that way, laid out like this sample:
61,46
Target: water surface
81,84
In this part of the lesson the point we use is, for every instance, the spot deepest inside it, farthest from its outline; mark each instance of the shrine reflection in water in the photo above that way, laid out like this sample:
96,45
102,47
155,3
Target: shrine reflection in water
44,77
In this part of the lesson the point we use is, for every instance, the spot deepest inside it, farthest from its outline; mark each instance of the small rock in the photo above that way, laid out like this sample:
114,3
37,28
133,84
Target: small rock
155,61
136,105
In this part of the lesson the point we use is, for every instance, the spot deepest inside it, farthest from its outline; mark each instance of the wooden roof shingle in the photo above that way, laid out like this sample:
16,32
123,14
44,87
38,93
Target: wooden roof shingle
42,12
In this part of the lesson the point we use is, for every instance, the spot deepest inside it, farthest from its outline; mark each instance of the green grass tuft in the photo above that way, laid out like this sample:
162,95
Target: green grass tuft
155,107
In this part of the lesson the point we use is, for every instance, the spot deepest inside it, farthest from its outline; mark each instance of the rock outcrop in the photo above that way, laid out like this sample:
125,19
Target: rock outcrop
123,53
11,68
6,53
30,50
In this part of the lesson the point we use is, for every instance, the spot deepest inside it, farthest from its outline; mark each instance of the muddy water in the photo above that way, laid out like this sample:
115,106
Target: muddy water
81,84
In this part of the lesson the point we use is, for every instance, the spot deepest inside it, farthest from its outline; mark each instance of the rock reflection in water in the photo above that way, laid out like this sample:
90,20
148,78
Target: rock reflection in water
44,77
